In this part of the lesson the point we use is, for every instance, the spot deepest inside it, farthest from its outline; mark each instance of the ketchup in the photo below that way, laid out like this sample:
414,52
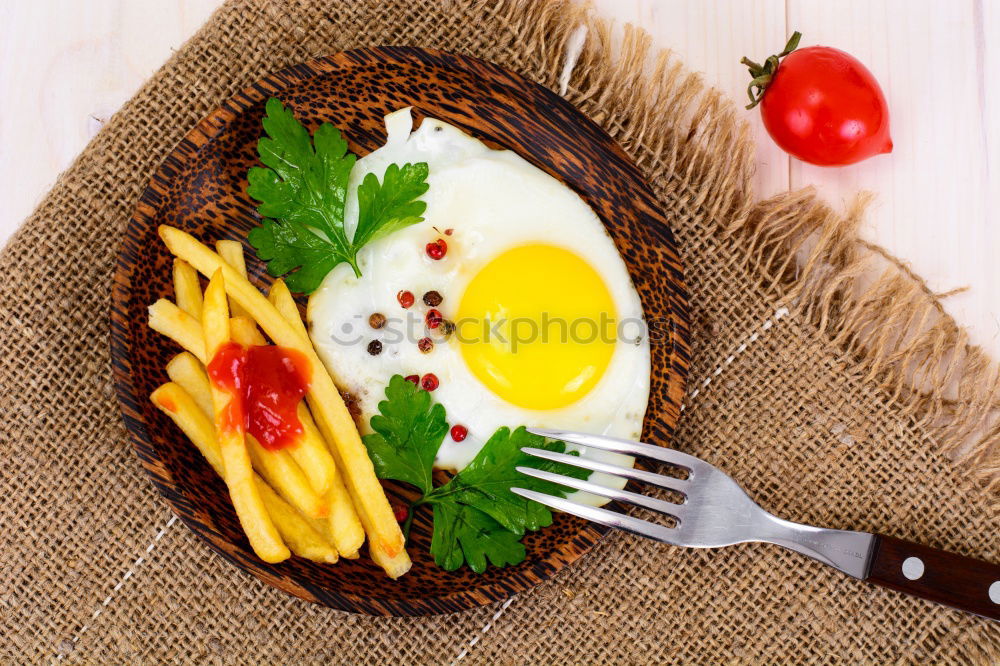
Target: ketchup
267,383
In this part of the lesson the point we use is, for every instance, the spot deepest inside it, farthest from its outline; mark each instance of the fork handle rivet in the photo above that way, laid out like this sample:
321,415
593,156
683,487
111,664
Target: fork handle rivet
913,568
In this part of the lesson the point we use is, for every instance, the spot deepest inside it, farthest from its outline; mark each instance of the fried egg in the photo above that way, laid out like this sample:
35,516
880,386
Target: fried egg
541,325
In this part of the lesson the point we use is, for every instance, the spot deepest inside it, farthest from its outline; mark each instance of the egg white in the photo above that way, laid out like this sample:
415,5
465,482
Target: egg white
492,200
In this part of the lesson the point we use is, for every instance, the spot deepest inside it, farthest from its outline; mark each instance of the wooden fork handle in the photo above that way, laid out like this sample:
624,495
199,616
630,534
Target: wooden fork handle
953,580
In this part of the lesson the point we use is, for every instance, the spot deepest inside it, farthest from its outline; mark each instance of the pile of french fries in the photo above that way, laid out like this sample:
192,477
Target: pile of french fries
318,498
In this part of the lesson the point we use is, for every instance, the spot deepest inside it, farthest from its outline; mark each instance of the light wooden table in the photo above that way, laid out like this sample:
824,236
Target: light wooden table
65,66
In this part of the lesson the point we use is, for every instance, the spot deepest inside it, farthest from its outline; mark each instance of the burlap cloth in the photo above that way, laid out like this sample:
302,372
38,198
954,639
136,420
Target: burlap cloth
835,396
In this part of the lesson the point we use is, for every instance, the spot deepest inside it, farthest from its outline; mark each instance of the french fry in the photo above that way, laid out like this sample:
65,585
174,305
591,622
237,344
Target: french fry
310,453
278,467
245,332
187,289
296,531
180,406
313,456
343,526
179,326
386,543
283,301
243,491
232,253
280,470
302,538
186,371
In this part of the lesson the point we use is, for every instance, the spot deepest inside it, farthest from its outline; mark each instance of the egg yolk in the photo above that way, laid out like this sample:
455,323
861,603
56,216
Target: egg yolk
537,326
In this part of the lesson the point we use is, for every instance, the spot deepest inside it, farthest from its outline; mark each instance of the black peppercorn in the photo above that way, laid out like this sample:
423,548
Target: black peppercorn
374,347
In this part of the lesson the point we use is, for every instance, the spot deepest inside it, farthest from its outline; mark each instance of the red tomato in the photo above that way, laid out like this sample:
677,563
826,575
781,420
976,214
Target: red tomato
822,105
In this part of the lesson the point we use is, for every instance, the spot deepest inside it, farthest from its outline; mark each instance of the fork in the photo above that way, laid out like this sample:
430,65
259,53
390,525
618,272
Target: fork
716,512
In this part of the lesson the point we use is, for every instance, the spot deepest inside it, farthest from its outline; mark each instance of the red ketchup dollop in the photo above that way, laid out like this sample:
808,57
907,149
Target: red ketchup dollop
267,383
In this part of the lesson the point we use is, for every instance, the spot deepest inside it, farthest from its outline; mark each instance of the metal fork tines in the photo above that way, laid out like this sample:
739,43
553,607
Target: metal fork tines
714,510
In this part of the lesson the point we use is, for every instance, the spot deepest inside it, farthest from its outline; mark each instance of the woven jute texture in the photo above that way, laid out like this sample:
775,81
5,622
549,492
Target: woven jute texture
827,379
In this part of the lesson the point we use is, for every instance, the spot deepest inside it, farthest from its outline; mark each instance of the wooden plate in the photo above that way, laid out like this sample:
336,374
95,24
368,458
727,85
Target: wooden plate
200,187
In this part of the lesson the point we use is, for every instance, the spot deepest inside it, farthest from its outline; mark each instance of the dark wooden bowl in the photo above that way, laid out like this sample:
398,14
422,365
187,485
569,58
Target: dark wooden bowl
200,187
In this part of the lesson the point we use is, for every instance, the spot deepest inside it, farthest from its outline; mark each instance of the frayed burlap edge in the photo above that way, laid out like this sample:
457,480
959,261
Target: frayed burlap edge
885,319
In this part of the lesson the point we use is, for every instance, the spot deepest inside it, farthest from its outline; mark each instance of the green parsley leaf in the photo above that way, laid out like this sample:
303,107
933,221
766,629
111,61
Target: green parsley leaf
302,189
292,245
393,204
477,518
408,433
463,534
486,482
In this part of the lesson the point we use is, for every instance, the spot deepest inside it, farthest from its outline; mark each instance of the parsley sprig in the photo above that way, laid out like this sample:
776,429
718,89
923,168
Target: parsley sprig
302,189
477,518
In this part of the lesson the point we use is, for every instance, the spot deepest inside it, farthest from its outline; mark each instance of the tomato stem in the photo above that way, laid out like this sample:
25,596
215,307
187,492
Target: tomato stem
761,75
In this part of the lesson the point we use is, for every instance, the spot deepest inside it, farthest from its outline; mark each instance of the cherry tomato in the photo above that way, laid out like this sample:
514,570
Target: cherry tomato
821,105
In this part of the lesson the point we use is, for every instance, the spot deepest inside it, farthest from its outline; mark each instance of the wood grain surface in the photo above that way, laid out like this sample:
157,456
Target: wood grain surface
201,188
